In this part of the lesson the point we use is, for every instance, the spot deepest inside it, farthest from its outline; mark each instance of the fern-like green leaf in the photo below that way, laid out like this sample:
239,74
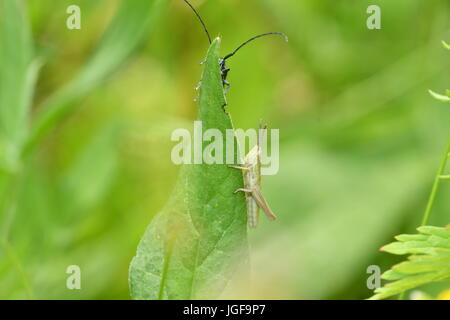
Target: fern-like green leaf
429,261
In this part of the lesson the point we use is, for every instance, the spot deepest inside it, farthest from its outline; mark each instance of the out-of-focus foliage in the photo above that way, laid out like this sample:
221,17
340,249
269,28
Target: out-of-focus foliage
126,31
431,248
360,139
17,80
441,97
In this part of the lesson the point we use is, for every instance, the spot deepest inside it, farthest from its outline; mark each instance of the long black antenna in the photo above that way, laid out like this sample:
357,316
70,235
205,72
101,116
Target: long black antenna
201,21
254,38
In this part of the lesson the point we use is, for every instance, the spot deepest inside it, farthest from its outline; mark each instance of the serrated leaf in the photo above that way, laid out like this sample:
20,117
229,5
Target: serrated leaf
429,262
436,231
401,248
128,28
392,275
411,237
402,285
439,242
192,248
415,266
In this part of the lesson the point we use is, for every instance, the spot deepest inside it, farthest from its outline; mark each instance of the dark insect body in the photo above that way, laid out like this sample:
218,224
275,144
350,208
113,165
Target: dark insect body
224,70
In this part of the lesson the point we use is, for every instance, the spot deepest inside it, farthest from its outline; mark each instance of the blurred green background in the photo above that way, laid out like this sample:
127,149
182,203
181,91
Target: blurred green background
361,140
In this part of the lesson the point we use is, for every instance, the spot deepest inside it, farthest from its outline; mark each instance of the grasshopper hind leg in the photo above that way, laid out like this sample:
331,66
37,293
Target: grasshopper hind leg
243,190
239,168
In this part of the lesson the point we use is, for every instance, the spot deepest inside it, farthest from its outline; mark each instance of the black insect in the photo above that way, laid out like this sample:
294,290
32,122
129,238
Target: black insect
222,61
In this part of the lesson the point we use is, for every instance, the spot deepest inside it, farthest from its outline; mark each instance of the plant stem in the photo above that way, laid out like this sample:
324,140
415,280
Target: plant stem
437,180
439,176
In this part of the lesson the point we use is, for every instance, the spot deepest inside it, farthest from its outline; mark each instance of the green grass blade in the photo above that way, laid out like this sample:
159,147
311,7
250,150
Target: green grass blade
192,248
17,79
129,27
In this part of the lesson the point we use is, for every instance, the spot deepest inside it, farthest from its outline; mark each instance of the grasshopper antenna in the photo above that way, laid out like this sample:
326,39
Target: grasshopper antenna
262,131
201,21
254,38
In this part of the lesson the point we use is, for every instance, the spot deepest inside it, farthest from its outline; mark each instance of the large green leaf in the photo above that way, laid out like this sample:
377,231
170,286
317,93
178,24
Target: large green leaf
193,247
429,261
129,27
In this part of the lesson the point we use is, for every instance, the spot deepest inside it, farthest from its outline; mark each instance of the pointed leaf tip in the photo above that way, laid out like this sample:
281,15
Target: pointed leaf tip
446,45
439,97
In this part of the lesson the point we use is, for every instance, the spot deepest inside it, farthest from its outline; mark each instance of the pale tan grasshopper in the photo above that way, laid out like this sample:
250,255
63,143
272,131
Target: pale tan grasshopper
251,171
